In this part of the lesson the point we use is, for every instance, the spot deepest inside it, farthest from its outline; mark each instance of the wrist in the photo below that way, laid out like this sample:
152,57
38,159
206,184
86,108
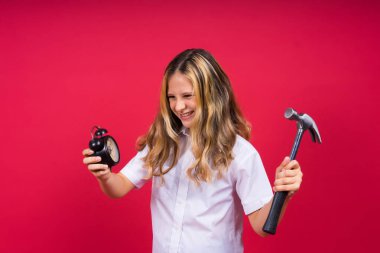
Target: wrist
289,196
103,179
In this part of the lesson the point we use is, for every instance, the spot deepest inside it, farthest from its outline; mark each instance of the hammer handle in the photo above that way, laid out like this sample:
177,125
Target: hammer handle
296,144
271,223
274,213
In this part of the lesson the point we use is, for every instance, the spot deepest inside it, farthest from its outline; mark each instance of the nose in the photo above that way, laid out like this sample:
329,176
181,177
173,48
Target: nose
180,105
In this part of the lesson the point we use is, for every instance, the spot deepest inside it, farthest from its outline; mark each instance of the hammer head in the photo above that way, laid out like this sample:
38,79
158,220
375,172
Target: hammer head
304,122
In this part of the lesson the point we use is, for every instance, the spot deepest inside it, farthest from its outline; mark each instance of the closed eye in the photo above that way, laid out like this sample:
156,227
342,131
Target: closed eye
188,95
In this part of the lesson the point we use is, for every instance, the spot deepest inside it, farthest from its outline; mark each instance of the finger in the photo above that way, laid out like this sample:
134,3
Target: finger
292,165
285,161
100,173
97,167
91,159
289,188
289,173
283,164
87,152
286,181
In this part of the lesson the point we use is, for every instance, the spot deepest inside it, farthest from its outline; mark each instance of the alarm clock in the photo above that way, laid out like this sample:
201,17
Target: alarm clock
104,146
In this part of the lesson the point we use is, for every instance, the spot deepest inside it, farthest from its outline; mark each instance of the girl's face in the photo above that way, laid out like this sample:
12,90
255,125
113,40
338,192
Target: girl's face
181,98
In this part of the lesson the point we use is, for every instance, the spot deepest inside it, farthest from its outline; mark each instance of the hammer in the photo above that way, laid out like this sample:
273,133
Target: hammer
304,122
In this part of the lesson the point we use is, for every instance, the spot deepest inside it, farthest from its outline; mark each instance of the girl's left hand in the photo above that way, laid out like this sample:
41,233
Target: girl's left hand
288,177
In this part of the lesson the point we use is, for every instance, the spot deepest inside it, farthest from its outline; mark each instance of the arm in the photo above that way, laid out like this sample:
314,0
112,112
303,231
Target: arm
258,218
112,184
116,185
288,178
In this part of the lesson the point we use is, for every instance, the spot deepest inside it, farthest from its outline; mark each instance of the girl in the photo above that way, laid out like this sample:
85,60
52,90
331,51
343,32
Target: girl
204,171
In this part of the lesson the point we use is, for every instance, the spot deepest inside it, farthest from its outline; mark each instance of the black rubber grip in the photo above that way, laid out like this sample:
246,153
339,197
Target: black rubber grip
270,225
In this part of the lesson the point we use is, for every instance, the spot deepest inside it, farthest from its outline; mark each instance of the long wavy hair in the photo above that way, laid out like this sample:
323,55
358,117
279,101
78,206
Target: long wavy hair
217,120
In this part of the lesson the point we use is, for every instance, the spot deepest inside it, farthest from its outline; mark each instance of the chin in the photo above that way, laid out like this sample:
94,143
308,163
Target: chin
187,124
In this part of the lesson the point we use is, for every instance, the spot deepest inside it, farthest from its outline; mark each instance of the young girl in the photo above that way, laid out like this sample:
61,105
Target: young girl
204,171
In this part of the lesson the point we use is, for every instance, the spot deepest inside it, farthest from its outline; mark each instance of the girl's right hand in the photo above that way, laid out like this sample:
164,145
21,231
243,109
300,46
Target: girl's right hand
100,171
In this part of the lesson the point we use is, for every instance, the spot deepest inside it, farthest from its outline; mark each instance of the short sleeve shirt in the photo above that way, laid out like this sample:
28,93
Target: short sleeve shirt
190,218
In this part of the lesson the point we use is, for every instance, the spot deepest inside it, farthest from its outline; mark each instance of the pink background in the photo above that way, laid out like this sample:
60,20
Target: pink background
66,66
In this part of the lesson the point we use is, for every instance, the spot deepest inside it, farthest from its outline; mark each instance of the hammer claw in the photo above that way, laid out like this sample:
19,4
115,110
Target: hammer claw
315,136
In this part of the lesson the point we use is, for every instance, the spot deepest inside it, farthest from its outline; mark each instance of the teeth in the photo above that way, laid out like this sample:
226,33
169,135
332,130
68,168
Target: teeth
185,114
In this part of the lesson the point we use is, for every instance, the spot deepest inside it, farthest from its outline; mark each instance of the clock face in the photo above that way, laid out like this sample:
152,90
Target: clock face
113,149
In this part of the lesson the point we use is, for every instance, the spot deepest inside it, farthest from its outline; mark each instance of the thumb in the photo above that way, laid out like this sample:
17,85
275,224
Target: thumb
283,163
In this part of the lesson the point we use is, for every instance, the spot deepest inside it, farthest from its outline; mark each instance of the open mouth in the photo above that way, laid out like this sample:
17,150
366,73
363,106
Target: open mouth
186,115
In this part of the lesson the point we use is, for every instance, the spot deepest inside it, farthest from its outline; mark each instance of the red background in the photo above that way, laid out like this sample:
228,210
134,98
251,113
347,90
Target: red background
65,66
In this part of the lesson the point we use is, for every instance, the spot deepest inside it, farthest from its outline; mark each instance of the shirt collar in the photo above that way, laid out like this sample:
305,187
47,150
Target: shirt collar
185,131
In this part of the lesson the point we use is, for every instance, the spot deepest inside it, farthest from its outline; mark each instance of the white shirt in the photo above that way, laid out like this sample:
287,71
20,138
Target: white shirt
206,218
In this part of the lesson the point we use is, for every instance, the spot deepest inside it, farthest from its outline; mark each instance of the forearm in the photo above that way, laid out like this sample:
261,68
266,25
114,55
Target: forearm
258,218
115,185
288,179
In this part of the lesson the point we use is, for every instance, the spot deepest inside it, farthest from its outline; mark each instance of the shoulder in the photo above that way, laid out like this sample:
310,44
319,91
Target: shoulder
143,152
246,163
243,148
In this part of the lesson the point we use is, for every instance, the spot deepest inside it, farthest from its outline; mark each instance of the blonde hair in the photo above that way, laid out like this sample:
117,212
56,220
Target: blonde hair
217,120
